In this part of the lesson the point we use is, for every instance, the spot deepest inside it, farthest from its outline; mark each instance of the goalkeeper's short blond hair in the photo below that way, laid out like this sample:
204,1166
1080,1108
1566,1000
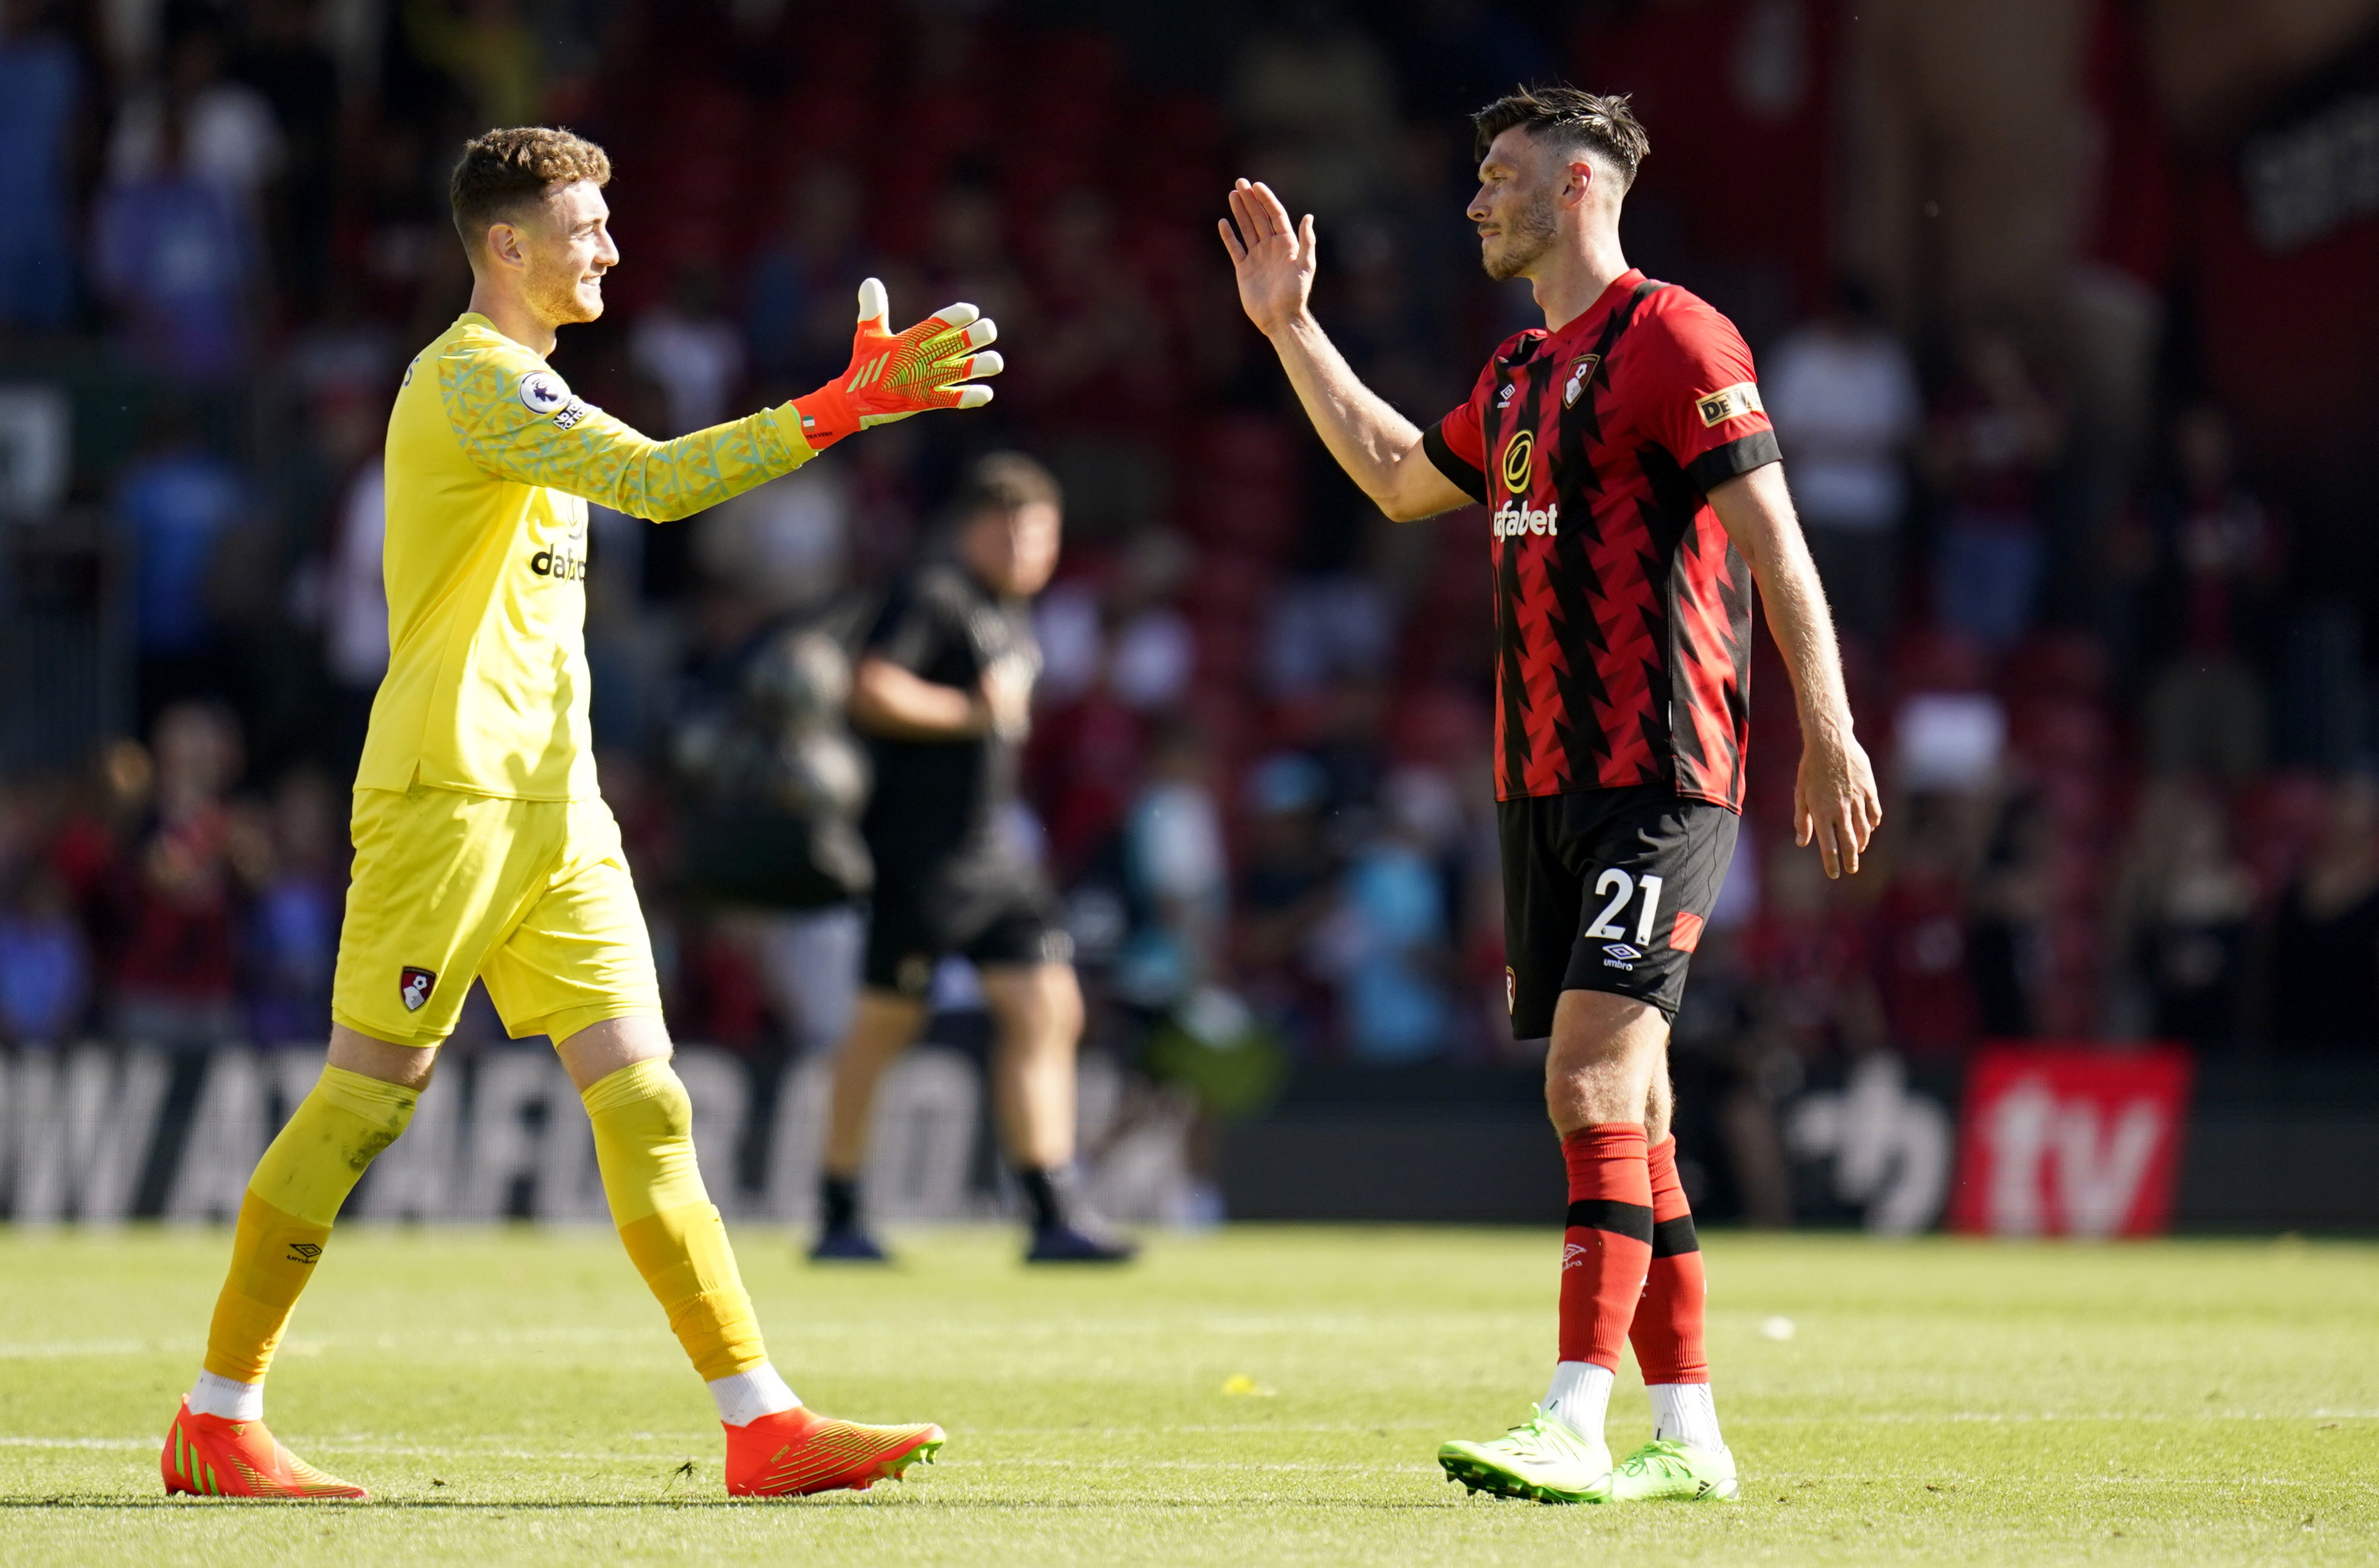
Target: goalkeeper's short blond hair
504,171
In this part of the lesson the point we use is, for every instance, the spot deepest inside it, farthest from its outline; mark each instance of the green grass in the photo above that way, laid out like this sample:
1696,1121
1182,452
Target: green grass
511,1396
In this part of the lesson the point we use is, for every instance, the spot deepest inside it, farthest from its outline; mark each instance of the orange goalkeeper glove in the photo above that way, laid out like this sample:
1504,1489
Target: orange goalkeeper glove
893,375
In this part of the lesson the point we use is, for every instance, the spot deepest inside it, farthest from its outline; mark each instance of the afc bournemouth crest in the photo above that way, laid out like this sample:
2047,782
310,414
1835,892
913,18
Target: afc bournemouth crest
414,985
1581,372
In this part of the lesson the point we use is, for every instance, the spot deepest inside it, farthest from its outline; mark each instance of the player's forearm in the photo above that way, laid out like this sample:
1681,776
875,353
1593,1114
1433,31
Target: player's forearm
1803,629
1367,436
890,702
664,481
1757,512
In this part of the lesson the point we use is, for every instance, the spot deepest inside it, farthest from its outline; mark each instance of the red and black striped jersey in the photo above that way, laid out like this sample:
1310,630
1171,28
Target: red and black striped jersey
1622,613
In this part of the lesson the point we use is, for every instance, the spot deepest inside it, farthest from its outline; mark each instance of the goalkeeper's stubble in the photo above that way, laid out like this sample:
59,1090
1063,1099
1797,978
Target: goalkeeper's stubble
569,251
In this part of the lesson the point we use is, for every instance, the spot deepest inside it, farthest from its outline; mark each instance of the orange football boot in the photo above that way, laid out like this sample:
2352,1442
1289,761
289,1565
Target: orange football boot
213,1456
795,1452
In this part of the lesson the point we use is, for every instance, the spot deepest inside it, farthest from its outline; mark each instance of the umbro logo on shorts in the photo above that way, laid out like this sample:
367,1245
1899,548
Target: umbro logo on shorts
414,985
1623,952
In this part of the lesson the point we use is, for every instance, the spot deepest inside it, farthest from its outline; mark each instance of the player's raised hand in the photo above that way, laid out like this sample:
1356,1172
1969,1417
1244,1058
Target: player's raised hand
1272,258
892,375
1834,800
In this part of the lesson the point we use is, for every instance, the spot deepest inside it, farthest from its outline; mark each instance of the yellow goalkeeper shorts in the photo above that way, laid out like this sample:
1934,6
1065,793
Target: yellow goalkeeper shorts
532,897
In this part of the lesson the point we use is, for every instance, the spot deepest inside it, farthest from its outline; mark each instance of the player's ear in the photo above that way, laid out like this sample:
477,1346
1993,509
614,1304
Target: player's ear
501,245
1577,182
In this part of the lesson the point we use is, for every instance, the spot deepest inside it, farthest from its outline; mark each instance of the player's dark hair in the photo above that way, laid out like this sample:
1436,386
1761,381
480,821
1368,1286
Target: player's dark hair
1002,481
505,171
1570,118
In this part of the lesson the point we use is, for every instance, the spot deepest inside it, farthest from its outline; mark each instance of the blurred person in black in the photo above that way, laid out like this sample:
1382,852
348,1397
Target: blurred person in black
2323,964
774,785
2178,913
2214,559
942,691
773,779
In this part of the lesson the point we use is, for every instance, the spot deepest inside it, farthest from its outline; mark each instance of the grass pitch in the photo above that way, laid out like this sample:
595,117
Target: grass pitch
512,1396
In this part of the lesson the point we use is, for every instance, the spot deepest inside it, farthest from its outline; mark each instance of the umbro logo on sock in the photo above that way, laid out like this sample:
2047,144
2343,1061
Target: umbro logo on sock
304,1251
1573,1254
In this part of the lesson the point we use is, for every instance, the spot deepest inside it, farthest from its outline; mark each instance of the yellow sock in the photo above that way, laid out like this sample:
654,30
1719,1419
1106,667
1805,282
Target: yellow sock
643,1145
285,1217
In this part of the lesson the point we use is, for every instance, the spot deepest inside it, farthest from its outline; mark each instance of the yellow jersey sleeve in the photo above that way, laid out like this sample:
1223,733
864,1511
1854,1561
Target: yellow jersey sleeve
491,465
517,421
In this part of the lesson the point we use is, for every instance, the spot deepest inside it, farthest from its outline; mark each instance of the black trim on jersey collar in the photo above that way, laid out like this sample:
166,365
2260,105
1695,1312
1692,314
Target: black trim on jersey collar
1525,349
1537,337
1721,464
1470,481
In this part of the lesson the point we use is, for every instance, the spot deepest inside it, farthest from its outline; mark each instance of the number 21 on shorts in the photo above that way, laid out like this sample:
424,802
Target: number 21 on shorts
1620,888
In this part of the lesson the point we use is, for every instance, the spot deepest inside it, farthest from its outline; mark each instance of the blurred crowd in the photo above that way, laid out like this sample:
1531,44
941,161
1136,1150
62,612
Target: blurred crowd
2121,804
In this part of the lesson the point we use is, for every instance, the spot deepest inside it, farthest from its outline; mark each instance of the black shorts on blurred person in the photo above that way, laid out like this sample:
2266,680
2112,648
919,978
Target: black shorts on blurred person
985,908
948,879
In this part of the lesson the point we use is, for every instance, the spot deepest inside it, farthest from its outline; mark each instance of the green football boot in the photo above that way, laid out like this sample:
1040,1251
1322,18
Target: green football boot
1664,1471
1542,1458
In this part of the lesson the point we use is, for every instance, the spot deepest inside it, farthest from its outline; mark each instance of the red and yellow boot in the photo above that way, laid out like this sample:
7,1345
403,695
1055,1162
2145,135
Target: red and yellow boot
214,1456
795,1452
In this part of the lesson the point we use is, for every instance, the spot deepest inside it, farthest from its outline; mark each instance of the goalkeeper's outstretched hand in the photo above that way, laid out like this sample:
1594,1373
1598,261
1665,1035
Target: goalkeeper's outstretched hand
893,375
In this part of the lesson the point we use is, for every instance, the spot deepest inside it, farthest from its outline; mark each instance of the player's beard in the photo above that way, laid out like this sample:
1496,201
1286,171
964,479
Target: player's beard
1528,233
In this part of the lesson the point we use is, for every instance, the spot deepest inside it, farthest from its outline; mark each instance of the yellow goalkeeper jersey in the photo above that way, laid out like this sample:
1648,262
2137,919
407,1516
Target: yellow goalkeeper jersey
490,463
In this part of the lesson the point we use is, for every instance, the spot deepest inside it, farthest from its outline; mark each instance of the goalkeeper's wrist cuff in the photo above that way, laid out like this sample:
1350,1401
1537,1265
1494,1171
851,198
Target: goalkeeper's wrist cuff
826,415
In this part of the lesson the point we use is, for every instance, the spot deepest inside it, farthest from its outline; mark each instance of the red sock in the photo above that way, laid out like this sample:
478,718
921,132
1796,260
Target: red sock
1609,1242
1668,1328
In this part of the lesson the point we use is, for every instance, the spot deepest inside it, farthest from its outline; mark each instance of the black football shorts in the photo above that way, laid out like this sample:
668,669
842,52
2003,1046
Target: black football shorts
1606,891
983,907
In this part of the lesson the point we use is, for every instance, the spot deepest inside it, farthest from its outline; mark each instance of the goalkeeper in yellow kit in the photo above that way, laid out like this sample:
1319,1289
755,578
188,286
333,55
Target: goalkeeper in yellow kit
483,848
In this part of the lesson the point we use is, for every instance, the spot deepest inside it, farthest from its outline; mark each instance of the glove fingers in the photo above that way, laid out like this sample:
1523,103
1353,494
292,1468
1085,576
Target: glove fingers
874,305
988,363
948,351
949,317
971,397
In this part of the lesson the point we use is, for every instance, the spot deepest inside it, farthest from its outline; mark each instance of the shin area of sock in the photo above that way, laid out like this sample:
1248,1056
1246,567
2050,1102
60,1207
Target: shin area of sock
643,1147
285,1218
1668,1329
1606,1246
685,1261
